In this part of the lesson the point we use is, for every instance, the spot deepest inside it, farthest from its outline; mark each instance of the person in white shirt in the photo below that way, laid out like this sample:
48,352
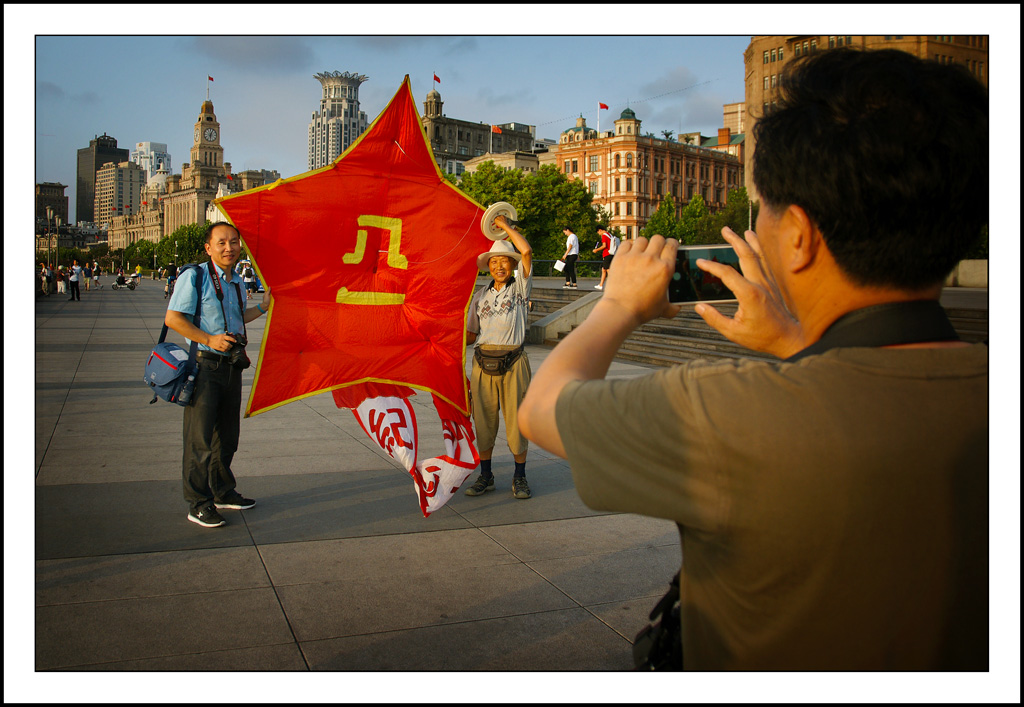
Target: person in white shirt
572,254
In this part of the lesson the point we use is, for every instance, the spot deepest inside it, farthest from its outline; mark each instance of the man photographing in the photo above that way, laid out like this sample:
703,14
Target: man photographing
832,506
211,420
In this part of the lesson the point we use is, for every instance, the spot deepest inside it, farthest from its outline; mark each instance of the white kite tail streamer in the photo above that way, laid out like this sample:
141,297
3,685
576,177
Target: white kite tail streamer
391,423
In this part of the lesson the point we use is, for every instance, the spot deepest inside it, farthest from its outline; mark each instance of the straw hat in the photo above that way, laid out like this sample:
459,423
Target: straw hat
499,248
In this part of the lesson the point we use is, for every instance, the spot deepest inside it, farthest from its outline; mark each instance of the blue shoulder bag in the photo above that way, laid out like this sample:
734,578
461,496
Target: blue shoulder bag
170,370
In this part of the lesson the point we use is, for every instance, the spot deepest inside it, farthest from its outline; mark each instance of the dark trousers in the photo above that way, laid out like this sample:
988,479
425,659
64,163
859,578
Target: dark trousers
75,292
570,269
211,432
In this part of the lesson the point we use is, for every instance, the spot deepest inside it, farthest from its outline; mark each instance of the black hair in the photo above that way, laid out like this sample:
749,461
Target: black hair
208,234
887,154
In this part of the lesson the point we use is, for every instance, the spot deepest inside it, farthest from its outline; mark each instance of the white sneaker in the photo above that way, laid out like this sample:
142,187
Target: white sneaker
598,287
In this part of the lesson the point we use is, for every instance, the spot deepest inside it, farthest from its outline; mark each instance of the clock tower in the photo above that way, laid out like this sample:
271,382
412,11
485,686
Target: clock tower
206,149
187,198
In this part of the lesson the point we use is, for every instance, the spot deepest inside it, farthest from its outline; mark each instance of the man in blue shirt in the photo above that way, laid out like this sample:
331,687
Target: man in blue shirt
211,420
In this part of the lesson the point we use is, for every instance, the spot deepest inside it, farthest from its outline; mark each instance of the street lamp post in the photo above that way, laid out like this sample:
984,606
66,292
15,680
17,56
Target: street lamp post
49,217
56,243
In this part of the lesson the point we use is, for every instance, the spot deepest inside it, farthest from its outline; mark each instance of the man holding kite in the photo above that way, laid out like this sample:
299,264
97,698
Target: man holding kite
497,323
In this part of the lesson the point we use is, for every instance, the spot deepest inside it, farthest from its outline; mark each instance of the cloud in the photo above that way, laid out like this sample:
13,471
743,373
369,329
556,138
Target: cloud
46,90
257,53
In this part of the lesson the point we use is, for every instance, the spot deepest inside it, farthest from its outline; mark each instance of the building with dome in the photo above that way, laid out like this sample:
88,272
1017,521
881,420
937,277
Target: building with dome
630,173
338,123
455,141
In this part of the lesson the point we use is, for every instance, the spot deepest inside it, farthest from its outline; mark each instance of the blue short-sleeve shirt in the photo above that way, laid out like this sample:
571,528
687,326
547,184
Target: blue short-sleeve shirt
184,300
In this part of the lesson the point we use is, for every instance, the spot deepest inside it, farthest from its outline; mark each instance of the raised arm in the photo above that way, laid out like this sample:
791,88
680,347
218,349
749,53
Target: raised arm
519,242
637,294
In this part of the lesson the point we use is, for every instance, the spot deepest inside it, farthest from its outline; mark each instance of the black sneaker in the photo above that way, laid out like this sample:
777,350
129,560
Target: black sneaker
207,516
520,489
480,486
235,502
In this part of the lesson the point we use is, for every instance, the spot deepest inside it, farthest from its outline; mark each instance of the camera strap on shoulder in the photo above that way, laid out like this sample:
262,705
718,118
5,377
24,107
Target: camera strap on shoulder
196,318
887,324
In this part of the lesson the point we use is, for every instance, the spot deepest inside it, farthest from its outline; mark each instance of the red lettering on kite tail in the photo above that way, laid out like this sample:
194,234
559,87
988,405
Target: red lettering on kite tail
430,486
382,433
400,425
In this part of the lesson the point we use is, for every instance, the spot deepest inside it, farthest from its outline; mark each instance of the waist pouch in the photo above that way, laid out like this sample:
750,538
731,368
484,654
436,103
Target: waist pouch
496,364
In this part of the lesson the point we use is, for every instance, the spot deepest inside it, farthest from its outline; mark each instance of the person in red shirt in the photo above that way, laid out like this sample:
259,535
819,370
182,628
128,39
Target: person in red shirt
607,248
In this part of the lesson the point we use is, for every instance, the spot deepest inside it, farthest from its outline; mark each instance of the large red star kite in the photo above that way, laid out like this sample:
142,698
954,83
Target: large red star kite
371,262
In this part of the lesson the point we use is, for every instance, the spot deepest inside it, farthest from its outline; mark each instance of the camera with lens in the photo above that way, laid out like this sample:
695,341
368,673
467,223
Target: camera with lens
236,354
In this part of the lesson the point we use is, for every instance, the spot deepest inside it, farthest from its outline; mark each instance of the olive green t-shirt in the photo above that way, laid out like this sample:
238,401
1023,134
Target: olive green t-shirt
833,510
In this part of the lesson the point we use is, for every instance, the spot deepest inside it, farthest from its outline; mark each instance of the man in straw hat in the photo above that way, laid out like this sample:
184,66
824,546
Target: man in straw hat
497,323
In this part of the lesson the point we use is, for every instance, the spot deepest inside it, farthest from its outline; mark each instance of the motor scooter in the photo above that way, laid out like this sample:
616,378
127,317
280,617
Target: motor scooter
122,283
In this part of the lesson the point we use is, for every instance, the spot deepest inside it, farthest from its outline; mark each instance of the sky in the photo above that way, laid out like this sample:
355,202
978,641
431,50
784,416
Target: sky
150,88
139,73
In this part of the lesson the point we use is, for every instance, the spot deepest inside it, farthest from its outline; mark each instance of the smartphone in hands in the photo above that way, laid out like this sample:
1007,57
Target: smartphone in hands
691,284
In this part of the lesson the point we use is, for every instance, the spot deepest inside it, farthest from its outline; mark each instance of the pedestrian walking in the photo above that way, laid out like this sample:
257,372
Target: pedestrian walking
61,277
74,276
572,254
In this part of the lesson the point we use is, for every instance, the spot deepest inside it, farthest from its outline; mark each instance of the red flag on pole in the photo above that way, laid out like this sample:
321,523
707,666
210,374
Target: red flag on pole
437,79
209,78
602,106
495,129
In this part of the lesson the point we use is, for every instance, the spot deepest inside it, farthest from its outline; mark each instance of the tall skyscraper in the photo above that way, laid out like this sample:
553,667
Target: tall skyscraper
118,190
339,121
101,150
150,155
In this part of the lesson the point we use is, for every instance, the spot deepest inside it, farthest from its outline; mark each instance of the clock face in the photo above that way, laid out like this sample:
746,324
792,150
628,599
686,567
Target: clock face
197,135
210,134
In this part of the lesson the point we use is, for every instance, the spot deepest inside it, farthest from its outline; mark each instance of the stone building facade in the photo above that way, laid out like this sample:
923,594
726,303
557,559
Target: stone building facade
629,173
455,141
51,194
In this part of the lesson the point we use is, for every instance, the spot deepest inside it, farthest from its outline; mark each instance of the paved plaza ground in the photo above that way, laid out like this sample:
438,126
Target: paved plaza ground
334,569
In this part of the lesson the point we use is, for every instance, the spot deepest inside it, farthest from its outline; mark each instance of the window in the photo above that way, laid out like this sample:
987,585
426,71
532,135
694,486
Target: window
593,187
766,85
594,163
629,184
629,160
780,54
616,184
575,166
629,208
566,169
797,50
773,55
831,42
766,57
617,161
616,207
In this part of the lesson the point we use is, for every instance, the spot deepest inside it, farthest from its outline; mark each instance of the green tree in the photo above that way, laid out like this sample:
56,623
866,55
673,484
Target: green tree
664,220
667,134
737,213
695,222
188,241
140,252
546,202
549,202
490,184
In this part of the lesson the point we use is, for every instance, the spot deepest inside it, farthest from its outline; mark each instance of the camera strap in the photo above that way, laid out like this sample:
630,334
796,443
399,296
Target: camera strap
889,324
220,298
